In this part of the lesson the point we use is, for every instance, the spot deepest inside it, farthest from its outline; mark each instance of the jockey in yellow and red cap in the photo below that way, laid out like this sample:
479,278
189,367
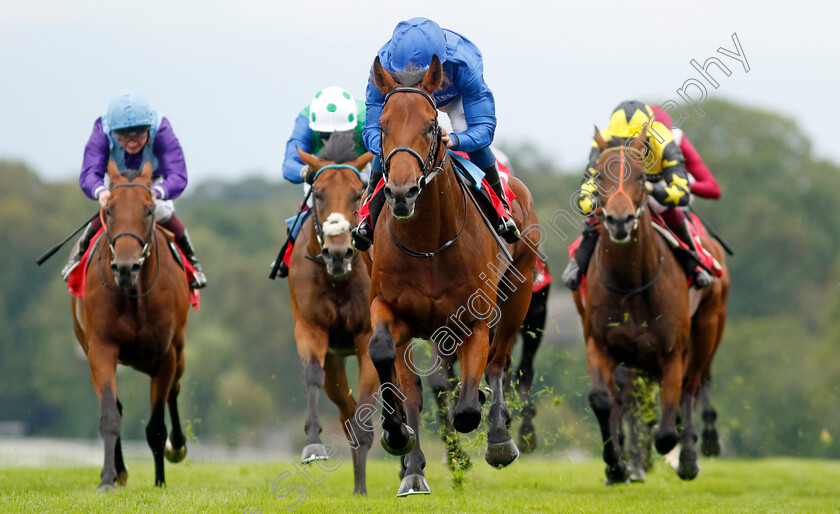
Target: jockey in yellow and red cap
666,174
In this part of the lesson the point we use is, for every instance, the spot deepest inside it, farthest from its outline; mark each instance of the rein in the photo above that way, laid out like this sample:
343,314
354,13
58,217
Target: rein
146,244
429,170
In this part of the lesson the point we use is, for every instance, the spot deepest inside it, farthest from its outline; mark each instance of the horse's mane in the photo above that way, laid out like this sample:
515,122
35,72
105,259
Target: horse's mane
340,147
409,77
131,174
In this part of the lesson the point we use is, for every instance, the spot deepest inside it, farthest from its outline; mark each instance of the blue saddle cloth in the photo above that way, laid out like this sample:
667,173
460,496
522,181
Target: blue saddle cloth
294,229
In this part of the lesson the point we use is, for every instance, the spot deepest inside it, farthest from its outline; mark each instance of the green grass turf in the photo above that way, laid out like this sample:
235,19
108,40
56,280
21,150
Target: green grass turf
533,485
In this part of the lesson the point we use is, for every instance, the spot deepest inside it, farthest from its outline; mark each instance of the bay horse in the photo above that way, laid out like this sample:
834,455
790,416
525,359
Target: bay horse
707,326
134,313
329,296
636,311
444,383
437,274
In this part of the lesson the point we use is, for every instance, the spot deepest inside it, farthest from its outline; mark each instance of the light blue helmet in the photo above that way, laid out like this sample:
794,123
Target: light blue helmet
414,42
129,109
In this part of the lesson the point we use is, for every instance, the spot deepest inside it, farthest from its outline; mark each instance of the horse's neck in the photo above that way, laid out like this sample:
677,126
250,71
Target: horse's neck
634,263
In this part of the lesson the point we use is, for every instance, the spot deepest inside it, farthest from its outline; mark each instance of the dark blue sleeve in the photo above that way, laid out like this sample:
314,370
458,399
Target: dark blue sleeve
301,138
479,110
373,102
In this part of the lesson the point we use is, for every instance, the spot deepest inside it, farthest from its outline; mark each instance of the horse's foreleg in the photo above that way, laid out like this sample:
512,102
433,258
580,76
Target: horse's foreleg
532,332
161,385
397,438
711,441
472,355
688,467
670,391
605,405
312,344
175,449
119,463
362,435
102,359
414,481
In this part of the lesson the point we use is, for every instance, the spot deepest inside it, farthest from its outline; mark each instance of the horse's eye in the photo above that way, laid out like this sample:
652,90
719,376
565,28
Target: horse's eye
108,212
317,195
150,212
357,196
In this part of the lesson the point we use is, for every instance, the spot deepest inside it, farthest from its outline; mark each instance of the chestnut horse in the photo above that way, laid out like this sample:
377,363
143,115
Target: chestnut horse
437,273
329,294
134,313
636,311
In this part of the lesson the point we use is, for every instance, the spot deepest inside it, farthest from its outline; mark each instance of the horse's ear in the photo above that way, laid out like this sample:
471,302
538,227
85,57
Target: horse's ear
434,77
113,171
146,172
599,140
383,80
362,161
310,160
639,142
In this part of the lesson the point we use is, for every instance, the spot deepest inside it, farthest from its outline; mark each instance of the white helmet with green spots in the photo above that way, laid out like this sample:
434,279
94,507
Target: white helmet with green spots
333,109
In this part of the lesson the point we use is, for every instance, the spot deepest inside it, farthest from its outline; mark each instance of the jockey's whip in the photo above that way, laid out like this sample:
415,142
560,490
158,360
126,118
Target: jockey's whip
279,259
712,232
49,253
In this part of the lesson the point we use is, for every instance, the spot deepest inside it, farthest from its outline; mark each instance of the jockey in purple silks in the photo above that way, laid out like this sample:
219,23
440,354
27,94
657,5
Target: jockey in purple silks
132,133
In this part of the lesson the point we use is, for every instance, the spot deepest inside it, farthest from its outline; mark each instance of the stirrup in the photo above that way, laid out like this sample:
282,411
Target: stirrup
70,266
571,276
701,278
199,279
507,230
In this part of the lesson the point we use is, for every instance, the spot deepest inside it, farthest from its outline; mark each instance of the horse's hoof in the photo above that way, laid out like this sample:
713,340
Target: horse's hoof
174,455
412,440
711,444
665,442
466,420
616,475
637,476
105,488
688,470
413,484
501,455
312,452
527,439
122,479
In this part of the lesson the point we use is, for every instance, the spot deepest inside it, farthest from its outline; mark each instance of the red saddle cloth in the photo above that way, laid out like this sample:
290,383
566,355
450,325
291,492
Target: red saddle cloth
76,280
542,278
504,176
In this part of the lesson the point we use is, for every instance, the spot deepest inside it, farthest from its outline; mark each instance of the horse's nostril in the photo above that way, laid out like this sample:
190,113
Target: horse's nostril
610,219
388,192
349,253
115,268
412,192
135,268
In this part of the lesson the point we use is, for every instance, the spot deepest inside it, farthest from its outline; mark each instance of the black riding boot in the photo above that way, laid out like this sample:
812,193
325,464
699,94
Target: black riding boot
362,234
184,243
506,227
572,275
76,257
700,278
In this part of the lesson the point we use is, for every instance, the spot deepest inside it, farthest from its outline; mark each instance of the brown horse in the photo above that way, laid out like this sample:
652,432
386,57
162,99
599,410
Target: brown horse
329,293
636,311
438,274
707,324
134,313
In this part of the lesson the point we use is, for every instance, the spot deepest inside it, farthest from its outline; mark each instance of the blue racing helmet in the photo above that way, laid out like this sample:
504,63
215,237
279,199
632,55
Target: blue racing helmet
129,109
414,42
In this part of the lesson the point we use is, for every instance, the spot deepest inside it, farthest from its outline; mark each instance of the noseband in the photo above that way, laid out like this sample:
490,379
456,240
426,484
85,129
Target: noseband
426,166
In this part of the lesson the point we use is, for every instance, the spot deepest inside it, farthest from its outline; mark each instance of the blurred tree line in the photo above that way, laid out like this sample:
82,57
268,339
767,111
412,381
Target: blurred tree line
776,385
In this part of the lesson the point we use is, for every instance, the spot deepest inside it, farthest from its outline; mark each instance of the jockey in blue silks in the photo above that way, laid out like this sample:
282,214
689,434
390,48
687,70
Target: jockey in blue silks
132,133
463,96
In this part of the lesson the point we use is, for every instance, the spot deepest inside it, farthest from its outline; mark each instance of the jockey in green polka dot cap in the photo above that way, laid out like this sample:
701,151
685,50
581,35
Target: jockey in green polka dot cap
331,110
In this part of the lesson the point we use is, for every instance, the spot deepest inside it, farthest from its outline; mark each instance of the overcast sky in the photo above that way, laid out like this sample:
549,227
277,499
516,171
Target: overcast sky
232,76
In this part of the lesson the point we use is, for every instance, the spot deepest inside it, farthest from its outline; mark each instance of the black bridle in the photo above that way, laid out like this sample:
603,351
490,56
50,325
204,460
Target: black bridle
429,170
145,243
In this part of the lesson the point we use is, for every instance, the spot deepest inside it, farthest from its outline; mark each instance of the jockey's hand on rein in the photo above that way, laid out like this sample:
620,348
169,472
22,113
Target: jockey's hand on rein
306,174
